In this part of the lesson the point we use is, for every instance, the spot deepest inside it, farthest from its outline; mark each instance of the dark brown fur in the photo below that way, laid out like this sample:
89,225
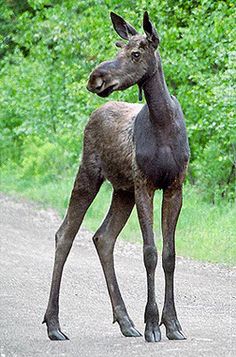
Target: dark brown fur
138,149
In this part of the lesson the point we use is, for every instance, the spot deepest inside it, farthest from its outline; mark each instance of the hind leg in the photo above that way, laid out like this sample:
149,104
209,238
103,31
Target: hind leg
104,240
86,186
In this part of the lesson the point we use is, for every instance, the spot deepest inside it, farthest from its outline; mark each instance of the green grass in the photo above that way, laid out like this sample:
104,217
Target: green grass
205,232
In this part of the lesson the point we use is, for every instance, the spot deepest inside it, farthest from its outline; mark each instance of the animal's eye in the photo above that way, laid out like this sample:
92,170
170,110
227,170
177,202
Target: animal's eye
136,54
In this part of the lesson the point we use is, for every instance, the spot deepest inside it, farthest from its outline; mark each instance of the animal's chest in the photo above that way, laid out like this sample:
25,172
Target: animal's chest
159,165
160,157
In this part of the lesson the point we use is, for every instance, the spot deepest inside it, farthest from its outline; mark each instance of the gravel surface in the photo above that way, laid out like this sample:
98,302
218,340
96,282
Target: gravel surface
205,295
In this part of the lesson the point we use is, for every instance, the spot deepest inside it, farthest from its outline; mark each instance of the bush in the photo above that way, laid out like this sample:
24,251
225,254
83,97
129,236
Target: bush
49,47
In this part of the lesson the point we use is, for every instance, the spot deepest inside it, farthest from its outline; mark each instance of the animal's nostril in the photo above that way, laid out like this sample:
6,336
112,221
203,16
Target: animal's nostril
99,86
95,85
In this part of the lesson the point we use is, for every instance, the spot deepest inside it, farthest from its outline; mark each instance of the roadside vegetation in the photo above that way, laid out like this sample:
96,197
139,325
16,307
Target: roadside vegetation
47,50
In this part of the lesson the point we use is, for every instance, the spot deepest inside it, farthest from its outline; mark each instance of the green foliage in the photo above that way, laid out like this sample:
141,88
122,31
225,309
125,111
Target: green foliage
48,48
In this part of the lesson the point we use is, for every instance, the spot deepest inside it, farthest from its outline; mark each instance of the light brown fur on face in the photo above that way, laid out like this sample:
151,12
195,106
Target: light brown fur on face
125,70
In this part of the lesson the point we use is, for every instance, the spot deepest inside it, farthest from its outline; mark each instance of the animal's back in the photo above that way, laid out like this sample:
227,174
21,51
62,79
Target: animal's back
110,133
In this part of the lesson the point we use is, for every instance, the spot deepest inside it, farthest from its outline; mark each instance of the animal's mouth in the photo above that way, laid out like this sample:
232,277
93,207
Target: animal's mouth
107,91
101,87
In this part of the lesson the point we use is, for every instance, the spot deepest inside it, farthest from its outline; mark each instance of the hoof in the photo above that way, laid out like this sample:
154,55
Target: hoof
130,332
152,332
127,327
173,329
57,335
54,332
175,335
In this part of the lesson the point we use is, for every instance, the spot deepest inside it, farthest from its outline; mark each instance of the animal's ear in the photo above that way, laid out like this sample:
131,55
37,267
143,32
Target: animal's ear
123,28
150,30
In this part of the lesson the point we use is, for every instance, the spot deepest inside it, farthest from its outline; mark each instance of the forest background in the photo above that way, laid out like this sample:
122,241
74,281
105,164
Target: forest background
47,50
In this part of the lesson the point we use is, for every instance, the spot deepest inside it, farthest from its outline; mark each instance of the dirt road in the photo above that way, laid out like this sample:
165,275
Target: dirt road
205,295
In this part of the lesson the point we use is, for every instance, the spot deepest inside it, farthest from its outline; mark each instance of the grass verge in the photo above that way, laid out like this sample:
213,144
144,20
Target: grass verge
205,232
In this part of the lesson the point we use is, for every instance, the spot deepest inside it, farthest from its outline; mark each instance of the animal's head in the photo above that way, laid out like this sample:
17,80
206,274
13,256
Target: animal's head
134,63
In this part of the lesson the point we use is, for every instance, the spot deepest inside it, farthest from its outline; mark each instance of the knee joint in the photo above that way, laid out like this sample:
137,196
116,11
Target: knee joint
168,261
58,237
102,242
97,239
150,257
62,241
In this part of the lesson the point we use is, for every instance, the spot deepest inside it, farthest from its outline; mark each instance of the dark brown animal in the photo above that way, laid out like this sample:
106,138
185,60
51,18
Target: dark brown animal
138,149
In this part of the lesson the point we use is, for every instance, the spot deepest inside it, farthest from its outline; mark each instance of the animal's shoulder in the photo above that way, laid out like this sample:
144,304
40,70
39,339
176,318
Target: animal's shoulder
115,109
112,121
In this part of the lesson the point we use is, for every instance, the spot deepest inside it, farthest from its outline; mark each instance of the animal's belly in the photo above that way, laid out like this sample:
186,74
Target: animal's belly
117,167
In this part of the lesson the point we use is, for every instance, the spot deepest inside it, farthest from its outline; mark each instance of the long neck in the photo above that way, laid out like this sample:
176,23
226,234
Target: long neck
158,98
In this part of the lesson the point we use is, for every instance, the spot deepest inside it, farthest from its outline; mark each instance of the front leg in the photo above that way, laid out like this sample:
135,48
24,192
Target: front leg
171,206
144,202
